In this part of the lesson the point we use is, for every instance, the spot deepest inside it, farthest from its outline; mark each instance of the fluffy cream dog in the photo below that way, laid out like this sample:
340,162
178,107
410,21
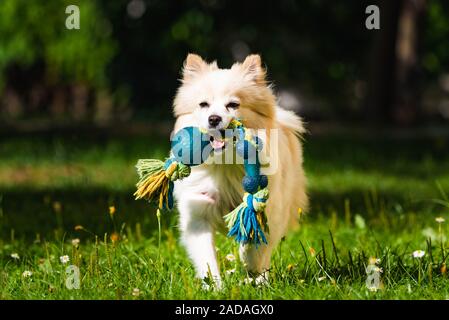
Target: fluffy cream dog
210,97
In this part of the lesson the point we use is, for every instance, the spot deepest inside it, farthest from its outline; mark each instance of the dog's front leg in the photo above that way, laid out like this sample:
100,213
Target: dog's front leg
198,238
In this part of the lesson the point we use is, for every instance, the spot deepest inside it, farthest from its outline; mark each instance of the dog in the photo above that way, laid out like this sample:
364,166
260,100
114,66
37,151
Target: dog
209,98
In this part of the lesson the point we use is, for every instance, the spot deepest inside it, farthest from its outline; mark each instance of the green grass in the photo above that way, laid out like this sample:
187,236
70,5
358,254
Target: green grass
369,198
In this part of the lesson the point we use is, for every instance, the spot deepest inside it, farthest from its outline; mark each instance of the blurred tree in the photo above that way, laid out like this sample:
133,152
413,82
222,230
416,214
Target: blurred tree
382,64
409,54
394,90
39,56
406,100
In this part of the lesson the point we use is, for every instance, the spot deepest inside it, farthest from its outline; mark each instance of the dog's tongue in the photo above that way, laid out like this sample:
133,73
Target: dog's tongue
217,144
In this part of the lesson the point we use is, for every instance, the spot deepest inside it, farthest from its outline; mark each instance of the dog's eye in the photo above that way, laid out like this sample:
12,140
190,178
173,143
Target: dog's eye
204,104
232,105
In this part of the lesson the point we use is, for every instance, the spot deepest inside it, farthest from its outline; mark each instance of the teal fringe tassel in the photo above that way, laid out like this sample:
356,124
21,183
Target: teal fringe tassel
247,222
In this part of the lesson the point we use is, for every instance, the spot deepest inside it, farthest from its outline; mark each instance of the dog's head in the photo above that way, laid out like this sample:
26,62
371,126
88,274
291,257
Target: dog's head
215,96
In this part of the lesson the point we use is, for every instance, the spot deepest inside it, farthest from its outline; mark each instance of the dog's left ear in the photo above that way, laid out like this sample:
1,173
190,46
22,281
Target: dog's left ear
193,66
252,66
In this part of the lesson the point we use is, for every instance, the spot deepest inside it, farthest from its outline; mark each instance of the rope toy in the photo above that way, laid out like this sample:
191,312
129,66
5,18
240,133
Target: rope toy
190,146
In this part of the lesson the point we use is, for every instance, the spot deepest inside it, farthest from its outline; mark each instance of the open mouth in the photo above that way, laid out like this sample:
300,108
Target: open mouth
219,140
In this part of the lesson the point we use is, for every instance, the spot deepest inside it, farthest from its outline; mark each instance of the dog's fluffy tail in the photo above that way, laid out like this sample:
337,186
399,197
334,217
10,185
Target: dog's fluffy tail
289,120
293,127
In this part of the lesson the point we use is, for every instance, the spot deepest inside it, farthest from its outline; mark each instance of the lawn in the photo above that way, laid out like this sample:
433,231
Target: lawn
371,198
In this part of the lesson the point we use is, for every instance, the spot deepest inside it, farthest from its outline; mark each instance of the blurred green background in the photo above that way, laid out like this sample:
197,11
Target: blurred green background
79,107
123,64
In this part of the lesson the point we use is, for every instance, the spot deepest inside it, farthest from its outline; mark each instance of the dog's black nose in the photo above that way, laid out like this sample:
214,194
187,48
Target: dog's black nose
214,120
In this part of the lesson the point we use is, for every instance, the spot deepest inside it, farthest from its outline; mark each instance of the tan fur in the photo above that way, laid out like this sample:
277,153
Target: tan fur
246,82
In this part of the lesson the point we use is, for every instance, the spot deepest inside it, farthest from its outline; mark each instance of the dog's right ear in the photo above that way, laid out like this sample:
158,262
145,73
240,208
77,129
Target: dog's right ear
252,67
193,66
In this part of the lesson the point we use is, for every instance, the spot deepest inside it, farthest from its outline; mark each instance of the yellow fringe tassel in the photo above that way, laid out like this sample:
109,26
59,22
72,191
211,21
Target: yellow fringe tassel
154,185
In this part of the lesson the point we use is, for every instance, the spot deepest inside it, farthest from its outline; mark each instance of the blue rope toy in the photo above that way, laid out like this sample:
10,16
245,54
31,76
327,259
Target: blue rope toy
247,223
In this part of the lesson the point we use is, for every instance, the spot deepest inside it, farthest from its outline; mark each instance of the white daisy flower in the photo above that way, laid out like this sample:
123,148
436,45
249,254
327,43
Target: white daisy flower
64,259
418,254
136,292
439,219
27,274
230,257
15,256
